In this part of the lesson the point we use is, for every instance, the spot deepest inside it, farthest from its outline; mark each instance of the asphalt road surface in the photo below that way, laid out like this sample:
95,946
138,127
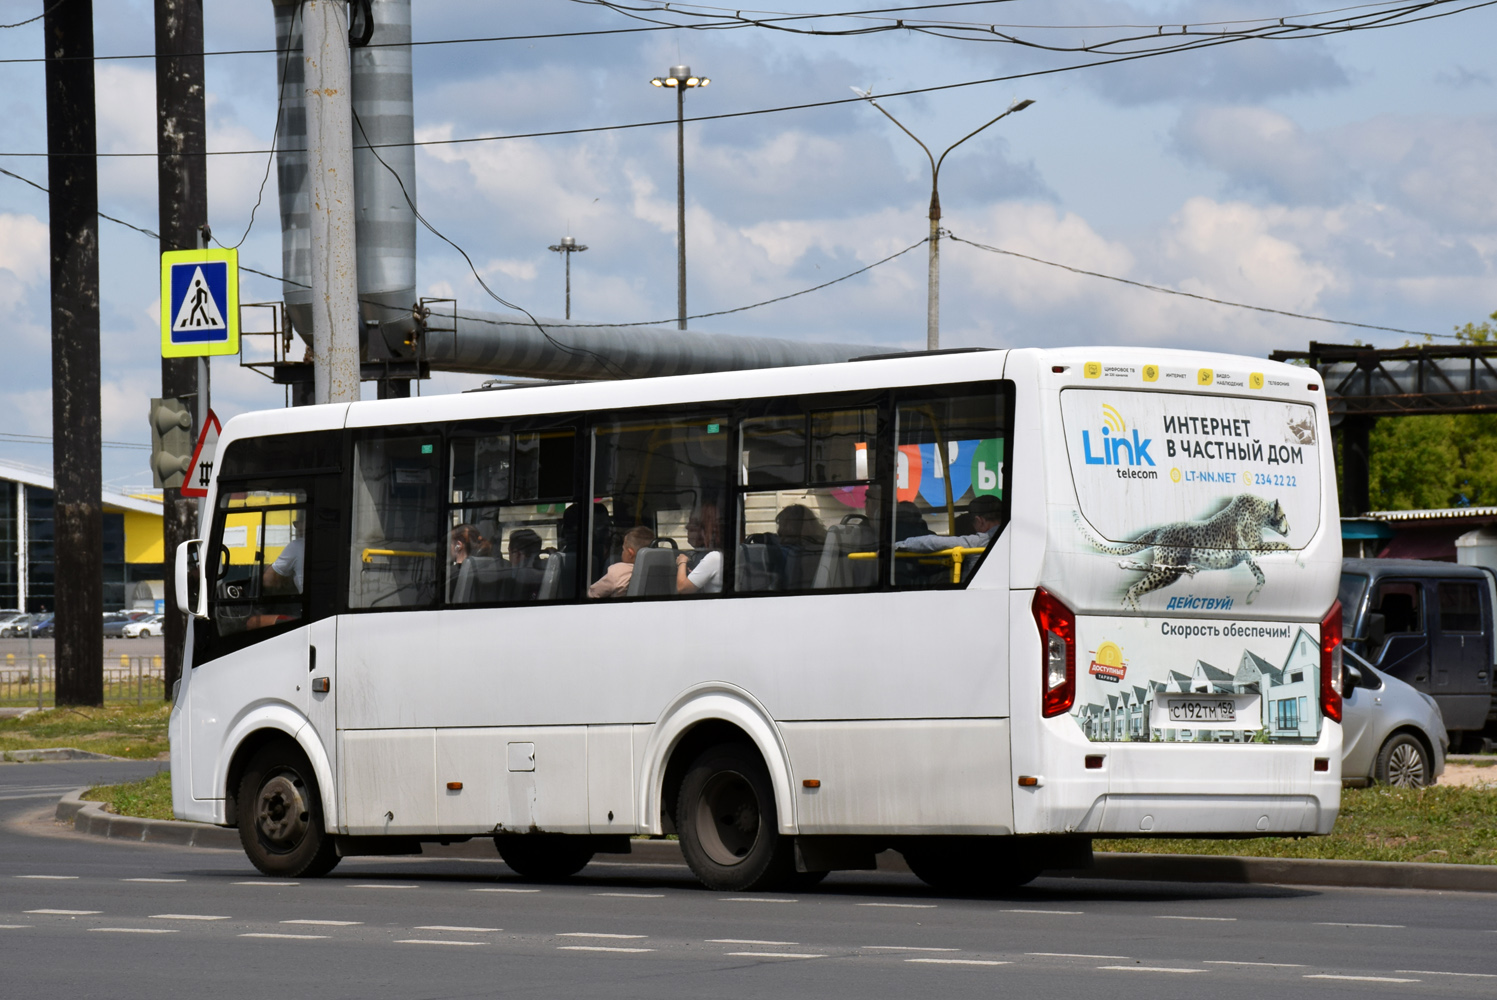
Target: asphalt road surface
81,916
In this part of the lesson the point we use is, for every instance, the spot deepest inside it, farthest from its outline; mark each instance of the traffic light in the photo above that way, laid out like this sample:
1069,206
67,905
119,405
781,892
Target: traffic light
171,442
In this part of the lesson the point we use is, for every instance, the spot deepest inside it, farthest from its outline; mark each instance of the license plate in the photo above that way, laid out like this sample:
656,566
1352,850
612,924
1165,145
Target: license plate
1199,710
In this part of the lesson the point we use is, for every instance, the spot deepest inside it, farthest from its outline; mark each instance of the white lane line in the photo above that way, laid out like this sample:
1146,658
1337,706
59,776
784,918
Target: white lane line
747,941
901,947
1339,923
1147,968
599,947
287,937
612,937
15,927
1362,979
504,890
382,885
132,930
956,961
1069,954
756,899
263,882
1429,972
52,878
633,895
186,916
153,880
1270,965
68,913
325,923
773,954
1225,920
460,930
898,906
1061,913
459,944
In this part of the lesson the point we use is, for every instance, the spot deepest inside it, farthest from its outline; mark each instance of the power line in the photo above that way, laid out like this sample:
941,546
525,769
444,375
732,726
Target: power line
1193,295
32,20
11,438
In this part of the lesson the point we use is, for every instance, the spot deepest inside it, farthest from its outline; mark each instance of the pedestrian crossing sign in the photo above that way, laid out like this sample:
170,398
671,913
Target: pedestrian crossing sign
199,303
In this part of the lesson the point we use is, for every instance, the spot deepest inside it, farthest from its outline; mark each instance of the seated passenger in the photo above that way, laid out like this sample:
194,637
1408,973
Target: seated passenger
707,577
615,582
465,541
799,527
986,512
524,548
908,521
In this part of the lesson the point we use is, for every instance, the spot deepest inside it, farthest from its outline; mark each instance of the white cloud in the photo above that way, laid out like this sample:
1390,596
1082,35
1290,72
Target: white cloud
24,247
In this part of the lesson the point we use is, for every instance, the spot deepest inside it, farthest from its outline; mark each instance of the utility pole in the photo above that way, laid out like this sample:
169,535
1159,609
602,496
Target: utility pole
182,211
680,78
566,248
73,207
335,289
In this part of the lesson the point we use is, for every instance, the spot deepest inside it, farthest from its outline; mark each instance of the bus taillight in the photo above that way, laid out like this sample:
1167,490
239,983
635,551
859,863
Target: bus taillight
1330,663
1057,652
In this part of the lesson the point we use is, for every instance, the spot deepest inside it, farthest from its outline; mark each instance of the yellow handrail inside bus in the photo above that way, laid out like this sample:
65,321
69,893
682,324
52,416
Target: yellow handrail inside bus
956,555
369,554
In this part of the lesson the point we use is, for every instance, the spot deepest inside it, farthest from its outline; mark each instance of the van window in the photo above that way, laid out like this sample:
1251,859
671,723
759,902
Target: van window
1401,604
1460,607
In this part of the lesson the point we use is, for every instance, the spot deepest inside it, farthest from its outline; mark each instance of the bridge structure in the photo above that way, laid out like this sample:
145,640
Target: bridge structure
1364,383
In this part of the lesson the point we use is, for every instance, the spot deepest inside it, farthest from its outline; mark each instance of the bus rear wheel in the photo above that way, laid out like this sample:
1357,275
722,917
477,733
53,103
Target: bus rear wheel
544,857
280,815
728,825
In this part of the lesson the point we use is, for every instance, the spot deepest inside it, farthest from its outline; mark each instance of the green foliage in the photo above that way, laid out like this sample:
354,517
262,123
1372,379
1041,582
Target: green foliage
148,799
119,730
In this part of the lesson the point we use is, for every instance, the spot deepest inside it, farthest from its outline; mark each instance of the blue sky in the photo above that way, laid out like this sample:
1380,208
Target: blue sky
1348,177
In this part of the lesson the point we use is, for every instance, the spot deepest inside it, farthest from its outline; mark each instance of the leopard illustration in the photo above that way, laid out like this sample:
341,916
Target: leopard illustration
1232,535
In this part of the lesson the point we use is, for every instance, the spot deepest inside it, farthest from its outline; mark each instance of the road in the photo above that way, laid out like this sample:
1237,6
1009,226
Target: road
107,918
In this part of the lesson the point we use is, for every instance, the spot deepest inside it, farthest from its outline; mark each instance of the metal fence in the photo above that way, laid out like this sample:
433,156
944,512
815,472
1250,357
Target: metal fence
33,680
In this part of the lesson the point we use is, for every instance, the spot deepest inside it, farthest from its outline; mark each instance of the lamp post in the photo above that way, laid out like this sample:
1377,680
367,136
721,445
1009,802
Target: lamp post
933,294
566,248
681,79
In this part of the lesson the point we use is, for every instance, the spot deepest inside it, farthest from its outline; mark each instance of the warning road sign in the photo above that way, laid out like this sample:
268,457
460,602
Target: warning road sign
199,303
200,473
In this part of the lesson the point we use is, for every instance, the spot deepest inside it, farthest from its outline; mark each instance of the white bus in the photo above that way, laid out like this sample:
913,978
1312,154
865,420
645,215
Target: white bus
978,607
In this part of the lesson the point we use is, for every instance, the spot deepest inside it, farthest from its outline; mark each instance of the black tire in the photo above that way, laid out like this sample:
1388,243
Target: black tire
544,857
728,824
280,814
1403,762
979,866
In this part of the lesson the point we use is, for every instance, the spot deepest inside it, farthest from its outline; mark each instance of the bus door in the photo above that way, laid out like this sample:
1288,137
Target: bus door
270,635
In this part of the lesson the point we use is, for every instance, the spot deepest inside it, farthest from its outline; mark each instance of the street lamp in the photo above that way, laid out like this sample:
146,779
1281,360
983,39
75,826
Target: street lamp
933,294
566,248
681,79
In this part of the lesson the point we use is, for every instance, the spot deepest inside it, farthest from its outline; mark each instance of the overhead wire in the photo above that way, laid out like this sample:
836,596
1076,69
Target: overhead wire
32,20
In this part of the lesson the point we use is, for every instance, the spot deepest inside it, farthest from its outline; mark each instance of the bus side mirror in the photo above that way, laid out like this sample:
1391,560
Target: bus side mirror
192,589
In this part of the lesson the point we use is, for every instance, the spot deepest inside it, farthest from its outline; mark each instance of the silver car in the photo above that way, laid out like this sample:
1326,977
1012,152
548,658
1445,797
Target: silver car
1392,734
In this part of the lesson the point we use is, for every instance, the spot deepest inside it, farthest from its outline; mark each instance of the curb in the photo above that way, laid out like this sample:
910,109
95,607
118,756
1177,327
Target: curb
90,818
58,753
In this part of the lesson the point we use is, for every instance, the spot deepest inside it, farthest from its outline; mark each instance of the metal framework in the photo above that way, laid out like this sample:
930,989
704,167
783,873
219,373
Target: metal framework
1400,381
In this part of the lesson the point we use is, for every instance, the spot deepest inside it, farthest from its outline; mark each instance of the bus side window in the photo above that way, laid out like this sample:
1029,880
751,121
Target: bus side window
261,559
396,512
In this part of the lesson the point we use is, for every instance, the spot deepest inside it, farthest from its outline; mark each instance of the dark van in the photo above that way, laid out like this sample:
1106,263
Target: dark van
1436,634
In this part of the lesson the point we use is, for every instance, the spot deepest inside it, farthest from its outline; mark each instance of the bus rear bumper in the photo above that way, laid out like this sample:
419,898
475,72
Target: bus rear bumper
1124,815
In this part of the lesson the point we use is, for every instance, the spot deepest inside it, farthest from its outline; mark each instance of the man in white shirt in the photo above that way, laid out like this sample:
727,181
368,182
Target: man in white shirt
987,514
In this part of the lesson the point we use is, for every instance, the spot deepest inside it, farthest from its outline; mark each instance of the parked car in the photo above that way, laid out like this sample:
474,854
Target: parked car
114,624
42,626
7,619
1391,733
146,627
1438,634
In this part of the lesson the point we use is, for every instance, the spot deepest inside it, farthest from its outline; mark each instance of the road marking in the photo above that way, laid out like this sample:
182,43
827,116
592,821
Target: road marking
325,923
1067,954
133,930
1428,972
460,930
1338,923
633,895
382,885
504,890
612,937
55,878
756,899
897,906
1062,913
263,882
901,947
1362,979
153,880
599,947
956,961
747,941
459,944
185,916
1226,920
15,927
1147,968
1271,965
288,937
773,954
69,913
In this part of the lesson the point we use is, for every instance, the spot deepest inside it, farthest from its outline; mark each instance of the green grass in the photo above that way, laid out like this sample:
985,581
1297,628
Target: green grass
116,730
1440,824
148,799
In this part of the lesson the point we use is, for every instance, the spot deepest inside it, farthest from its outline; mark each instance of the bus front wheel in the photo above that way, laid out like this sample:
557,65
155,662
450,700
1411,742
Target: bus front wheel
280,815
542,856
726,819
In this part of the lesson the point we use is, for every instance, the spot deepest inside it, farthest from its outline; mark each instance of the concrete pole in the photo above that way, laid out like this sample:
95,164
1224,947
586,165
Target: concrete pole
335,295
933,290
681,198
